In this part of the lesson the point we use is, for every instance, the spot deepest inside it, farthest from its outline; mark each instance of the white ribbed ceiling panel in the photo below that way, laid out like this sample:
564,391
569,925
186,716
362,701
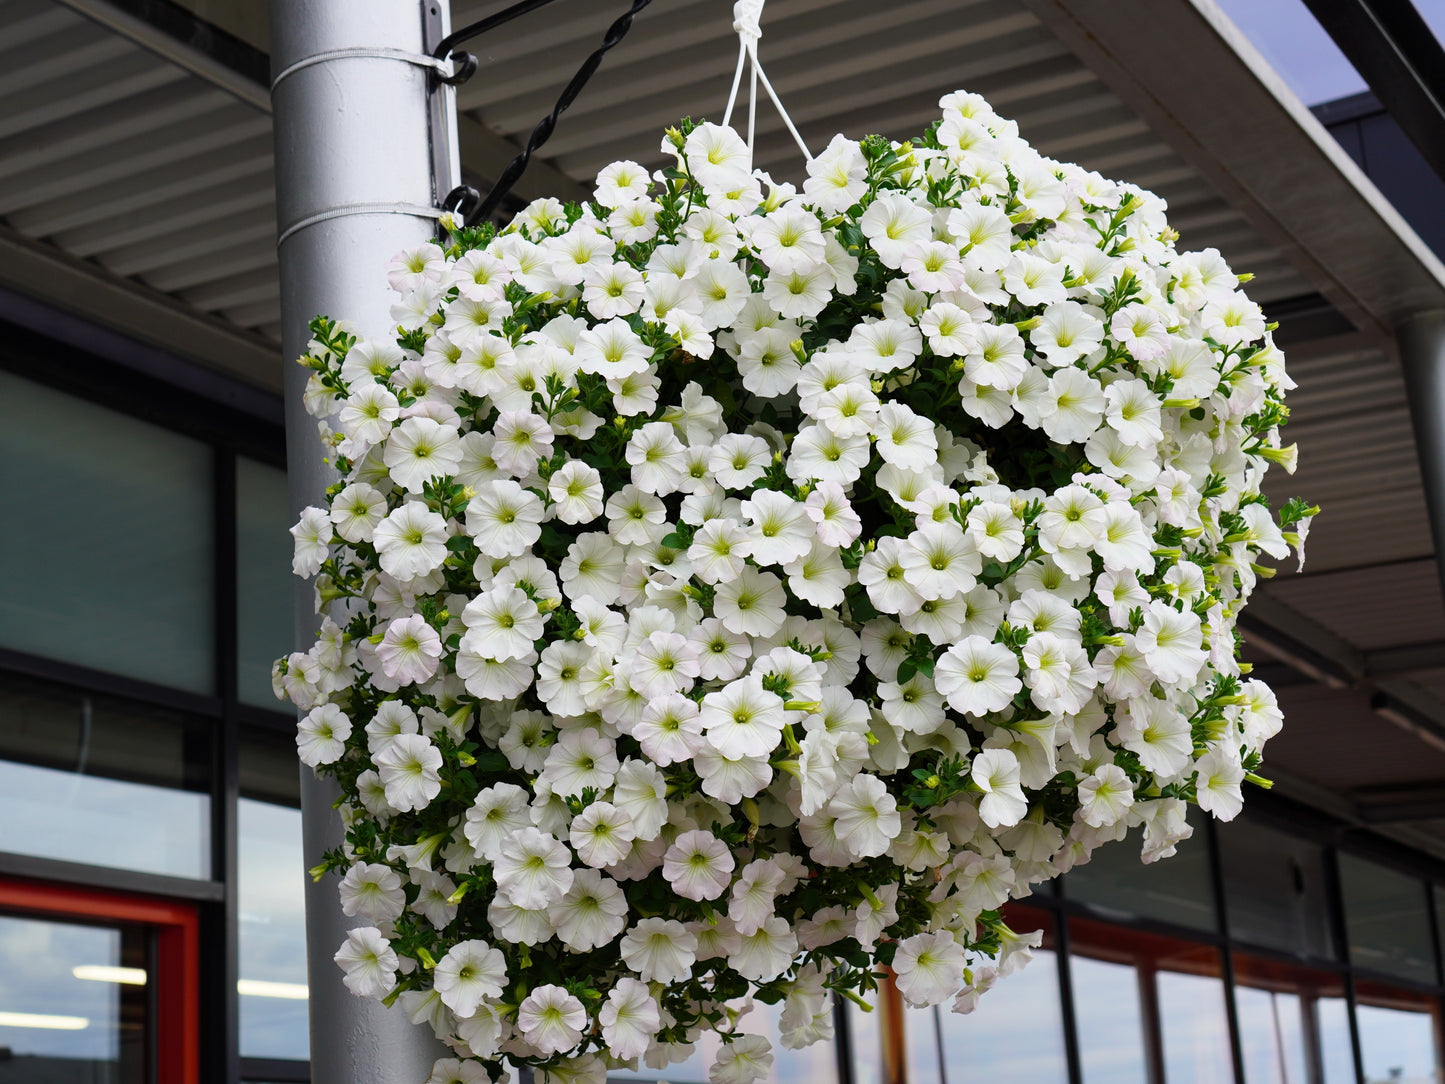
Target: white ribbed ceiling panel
855,66
119,157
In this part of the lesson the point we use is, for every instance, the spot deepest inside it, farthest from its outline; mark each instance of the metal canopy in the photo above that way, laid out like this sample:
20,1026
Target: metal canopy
136,189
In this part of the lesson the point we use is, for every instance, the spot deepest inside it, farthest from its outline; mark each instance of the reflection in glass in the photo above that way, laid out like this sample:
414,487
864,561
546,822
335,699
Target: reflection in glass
264,585
1017,1031
272,932
921,1044
1275,889
103,822
1398,1034
1337,1053
1110,1021
102,781
1272,1036
866,1043
72,1003
1291,1018
115,542
1195,1027
1387,920
1132,987
1177,889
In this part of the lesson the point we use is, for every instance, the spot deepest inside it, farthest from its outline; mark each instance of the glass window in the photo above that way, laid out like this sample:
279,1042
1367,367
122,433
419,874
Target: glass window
73,1002
1195,1025
102,781
270,771
1291,1018
1178,889
272,872
265,588
1110,1021
865,1041
922,1043
1108,1007
1017,1031
1399,1034
111,564
1138,993
1337,1052
1386,920
1274,886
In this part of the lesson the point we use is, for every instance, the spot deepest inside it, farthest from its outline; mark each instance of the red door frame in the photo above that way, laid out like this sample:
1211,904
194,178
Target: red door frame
178,956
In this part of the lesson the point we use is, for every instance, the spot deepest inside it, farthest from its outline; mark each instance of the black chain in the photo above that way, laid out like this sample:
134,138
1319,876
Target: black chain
460,198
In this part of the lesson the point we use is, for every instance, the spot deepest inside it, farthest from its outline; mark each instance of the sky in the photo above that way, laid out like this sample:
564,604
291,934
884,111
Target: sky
1288,36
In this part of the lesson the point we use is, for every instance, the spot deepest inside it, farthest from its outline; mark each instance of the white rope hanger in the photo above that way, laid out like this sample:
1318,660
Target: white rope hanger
747,15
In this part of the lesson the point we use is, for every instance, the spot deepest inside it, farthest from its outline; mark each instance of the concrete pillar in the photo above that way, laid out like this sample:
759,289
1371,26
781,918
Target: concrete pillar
354,167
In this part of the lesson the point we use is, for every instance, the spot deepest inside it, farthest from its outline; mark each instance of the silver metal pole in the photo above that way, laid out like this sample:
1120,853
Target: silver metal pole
354,164
1422,356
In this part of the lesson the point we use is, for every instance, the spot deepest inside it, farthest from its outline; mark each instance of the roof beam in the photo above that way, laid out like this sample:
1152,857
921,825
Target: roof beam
1396,51
148,316
1397,804
1405,659
242,70
1258,146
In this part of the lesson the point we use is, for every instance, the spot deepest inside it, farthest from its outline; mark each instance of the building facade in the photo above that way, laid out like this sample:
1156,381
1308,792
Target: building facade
151,866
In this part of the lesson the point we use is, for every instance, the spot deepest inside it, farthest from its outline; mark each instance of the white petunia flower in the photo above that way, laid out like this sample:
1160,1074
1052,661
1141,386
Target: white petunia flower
977,677
411,541
410,650
356,511
533,869
373,892
469,972
929,967
1105,796
895,226
698,865
502,623
1217,783
743,719
408,766
591,913
369,961
551,1019
602,834
420,449
321,735
660,950
312,534
767,952
744,1060
629,1018
905,439
495,814
504,518
866,816
996,773
752,603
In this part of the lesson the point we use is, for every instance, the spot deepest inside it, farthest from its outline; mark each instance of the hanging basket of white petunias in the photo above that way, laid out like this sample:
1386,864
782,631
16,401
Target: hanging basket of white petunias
731,589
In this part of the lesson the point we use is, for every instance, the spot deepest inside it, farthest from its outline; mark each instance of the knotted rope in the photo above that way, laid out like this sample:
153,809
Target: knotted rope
747,16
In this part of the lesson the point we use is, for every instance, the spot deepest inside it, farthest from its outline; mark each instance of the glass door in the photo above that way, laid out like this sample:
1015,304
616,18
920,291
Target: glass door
96,988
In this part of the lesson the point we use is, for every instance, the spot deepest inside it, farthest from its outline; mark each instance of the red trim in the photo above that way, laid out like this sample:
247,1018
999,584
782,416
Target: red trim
178,952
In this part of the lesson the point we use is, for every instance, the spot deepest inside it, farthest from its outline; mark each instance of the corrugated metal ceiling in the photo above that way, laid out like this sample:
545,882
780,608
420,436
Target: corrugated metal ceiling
116,156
